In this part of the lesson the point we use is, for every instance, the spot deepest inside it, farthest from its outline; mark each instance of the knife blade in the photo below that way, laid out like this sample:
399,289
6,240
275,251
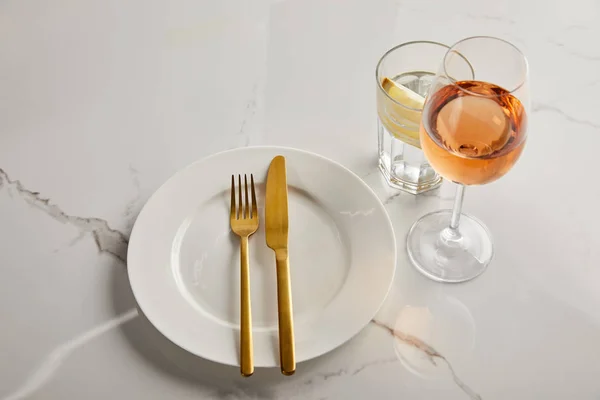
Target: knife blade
276,232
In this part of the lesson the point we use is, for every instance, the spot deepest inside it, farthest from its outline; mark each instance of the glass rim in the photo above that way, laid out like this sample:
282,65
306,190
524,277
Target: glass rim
388,52
471,93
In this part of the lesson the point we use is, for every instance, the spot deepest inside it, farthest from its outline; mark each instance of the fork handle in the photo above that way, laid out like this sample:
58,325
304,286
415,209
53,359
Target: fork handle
246,350
286,323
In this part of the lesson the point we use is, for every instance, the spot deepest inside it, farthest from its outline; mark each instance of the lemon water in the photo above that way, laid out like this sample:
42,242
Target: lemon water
400,157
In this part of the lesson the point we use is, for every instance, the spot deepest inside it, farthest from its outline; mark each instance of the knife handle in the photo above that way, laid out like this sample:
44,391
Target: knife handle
287,351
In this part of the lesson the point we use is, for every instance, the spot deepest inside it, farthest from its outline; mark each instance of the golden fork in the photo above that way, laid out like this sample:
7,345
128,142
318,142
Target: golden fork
244,222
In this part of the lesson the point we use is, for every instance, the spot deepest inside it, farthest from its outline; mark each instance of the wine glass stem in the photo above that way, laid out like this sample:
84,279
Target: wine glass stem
451,236
458,201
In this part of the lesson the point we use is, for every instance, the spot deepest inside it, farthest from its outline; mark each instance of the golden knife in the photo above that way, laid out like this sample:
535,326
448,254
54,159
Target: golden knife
276,223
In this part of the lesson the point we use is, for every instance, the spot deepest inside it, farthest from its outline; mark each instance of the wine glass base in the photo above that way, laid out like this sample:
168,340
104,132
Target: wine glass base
449,256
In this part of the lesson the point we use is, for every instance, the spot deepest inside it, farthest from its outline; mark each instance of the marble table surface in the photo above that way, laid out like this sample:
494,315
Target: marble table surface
102,101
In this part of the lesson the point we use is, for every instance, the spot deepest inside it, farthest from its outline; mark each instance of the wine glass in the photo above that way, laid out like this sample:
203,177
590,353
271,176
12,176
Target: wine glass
473,131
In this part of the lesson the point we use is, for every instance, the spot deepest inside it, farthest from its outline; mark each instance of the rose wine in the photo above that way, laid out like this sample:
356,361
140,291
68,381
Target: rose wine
473,132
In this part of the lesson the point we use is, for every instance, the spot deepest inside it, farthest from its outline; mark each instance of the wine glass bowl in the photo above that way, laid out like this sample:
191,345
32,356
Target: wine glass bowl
472,132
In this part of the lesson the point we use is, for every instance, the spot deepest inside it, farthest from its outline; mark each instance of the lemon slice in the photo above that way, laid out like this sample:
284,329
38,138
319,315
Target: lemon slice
406,97
403,119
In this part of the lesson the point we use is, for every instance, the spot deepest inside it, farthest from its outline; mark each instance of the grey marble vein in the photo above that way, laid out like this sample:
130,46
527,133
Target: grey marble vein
243,136
572,52
131,205
431,353
237,392
371,172
497,18
131,208
401,4
437,193
373,363
393,197
324,376
540,107
577,28
107,239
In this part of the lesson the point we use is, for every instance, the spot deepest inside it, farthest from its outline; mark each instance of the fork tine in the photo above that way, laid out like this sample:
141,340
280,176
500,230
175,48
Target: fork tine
232,211
247,205
240,205
254,205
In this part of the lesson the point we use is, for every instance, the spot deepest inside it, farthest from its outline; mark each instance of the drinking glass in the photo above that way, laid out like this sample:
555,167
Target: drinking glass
472,132
404,75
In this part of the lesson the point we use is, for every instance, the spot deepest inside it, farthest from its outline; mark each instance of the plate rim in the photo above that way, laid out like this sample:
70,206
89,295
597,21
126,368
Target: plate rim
283,149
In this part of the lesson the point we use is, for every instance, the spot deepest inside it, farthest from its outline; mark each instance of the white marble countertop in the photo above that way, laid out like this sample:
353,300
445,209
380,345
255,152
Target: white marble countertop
101,101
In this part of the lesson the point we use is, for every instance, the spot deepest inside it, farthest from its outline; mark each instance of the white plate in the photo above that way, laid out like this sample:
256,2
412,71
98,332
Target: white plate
183,261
